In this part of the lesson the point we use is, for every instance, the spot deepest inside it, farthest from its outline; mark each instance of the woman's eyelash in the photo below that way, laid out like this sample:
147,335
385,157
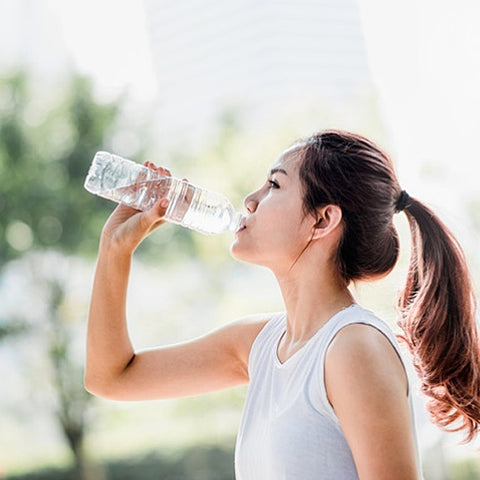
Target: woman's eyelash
273,184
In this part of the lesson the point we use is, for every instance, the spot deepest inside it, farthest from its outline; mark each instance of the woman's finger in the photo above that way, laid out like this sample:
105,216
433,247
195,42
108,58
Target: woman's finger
161,170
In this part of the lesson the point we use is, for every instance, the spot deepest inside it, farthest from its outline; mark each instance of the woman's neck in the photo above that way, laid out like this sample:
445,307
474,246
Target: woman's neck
311,296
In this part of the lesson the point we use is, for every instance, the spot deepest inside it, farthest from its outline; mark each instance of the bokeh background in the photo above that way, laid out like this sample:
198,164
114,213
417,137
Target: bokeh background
214,90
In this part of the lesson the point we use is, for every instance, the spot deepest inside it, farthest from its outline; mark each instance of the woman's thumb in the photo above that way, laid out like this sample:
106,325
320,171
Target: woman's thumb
163,204
154,217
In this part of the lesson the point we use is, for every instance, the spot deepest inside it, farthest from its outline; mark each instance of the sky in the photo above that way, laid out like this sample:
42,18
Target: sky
425,58
80,25
123,48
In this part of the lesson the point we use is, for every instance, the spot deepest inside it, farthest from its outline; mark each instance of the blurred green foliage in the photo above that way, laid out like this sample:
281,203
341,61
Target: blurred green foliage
465,469
196,463
47,141
46,145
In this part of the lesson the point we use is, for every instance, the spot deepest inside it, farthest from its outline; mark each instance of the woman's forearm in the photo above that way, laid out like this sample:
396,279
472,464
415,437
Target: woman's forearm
109,349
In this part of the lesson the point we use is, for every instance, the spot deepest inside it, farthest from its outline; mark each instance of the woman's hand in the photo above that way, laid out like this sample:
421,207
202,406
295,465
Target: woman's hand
126,227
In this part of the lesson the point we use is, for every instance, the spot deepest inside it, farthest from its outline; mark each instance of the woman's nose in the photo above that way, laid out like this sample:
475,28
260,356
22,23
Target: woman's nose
250,203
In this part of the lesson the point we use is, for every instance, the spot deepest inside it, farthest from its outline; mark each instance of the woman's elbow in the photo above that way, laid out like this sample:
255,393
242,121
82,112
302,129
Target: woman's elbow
98,387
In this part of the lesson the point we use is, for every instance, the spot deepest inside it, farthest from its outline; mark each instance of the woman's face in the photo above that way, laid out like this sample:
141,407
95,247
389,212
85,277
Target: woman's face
276,230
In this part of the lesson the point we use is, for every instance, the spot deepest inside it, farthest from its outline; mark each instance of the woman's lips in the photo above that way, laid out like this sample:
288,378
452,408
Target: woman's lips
242,226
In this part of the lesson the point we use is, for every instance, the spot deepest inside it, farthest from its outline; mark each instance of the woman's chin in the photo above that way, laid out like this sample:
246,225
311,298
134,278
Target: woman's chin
236,252
239,253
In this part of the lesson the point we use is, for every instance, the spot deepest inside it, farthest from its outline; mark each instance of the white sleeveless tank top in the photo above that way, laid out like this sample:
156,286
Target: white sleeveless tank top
289,430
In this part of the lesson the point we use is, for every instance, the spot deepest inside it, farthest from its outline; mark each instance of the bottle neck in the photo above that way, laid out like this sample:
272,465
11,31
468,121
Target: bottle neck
236,220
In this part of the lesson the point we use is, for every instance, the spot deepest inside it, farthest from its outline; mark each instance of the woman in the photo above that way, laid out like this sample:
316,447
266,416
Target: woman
328,394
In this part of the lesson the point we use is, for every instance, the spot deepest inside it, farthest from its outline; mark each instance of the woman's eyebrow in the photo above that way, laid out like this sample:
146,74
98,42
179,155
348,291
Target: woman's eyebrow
279,170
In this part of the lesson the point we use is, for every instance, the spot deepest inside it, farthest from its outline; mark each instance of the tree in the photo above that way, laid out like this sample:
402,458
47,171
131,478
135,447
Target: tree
72,399
45,151
49,343
46,147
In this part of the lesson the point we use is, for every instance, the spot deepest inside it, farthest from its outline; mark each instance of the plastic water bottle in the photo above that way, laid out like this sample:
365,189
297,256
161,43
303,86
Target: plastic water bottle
123,181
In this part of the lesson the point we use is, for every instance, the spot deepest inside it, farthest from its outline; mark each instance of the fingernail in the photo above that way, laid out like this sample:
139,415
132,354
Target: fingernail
164,202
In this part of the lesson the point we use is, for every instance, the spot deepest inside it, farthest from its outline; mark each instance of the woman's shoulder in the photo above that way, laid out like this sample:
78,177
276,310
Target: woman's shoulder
362,331
359,338
365,346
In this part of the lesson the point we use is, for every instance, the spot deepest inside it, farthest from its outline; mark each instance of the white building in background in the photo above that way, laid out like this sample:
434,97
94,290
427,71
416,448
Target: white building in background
258,55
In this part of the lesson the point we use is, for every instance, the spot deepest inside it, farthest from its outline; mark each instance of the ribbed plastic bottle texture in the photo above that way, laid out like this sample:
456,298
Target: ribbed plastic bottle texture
123,181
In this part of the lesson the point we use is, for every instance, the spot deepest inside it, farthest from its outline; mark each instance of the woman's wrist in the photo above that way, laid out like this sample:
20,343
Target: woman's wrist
113,248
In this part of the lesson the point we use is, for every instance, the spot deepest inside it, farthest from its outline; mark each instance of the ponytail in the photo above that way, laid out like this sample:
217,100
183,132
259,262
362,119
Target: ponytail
437,316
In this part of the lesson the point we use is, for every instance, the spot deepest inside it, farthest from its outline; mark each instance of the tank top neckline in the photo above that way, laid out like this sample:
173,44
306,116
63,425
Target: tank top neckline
299,353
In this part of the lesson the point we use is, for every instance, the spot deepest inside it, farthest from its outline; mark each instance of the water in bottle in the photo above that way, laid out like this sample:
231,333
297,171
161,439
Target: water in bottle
132,184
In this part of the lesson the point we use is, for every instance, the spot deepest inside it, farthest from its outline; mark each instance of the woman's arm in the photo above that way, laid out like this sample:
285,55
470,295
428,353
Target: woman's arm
113,368
367,387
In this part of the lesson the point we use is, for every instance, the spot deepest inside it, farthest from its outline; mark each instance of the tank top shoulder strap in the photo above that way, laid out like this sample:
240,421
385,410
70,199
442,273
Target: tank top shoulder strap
265,342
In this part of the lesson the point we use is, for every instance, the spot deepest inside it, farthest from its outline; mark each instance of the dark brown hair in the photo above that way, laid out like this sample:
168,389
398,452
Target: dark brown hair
437,304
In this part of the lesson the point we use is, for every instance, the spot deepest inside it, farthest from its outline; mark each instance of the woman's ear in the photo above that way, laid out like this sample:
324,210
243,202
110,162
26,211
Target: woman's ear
328,219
